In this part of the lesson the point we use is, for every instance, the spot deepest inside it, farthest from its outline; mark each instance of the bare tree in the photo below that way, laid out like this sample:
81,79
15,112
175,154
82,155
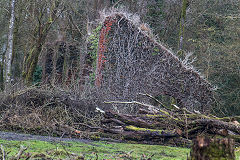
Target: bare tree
43,16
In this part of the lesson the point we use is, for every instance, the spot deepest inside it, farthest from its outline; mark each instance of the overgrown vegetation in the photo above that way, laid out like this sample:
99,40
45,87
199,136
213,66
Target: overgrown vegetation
62,48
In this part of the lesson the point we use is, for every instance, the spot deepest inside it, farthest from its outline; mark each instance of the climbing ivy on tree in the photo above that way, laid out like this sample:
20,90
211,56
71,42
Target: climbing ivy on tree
93,49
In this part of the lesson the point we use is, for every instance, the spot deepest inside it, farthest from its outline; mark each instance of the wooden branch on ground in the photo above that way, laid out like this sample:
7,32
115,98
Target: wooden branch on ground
21,151
127,119
151,124
116,121
150,96
141,135
150,107
158,133
218,124
152,127
3,152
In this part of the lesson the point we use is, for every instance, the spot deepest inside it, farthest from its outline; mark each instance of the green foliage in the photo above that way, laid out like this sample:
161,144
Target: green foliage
166,100
93,39
212,34
37,75
228,93
155,51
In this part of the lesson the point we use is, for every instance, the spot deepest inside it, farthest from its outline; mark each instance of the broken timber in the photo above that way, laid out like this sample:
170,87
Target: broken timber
172,127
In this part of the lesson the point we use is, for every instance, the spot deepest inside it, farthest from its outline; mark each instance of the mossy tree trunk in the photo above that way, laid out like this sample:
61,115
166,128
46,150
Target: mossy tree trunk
205,148
31,60
181,29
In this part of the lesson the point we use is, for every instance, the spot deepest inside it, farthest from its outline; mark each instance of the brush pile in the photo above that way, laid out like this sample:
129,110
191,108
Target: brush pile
47,110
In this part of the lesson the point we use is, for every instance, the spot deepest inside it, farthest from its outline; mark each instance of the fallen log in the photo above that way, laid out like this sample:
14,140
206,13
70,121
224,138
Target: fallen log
144,121
116,121
161,123
212,123
160,133
146,136
156,127
127,119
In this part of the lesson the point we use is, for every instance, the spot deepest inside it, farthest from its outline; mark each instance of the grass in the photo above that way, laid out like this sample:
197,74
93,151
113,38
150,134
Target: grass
96,150
100,150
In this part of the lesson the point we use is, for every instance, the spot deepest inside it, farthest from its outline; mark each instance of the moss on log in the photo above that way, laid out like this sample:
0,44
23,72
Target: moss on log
164,133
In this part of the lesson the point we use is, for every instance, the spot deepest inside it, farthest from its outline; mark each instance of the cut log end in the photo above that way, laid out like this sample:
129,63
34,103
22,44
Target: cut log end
205,148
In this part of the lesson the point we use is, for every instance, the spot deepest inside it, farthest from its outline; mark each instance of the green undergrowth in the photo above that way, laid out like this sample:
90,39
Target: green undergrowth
94,150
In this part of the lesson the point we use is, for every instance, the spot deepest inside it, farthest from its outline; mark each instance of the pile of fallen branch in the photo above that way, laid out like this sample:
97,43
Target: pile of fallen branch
161,125
56,112
47,110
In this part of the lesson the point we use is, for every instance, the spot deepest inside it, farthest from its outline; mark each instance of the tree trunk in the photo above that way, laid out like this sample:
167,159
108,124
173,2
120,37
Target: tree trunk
9,52
205,148
31,63
1,77
2,68
181,30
